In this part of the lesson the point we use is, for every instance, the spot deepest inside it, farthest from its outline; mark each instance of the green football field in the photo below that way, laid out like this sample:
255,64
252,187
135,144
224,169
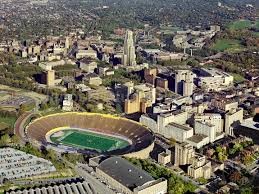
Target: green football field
88,140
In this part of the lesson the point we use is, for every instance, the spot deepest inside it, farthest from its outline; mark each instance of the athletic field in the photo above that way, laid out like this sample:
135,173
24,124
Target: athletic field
87,140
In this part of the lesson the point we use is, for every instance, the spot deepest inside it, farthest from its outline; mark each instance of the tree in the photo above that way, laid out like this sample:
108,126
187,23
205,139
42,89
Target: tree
15,139
219,149
44,106
22,109
51,154
202,180
246,190
118,108
5,140
175,186
235,176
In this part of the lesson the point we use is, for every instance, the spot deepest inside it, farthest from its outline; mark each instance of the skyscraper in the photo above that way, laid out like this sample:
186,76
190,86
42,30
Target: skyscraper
129,55
50,78
183,82
67,43
183,153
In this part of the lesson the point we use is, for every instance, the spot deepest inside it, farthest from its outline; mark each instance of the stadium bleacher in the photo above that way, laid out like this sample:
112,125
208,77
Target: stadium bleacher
139,135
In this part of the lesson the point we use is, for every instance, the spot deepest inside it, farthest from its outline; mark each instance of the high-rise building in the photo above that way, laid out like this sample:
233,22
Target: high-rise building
212,118
232,119
139,97
183,154
129,55
67,43
183,82
50,78
188,84
198,166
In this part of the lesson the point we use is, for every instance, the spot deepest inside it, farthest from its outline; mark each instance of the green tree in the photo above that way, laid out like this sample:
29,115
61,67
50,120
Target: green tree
5,140
175,186
118,108
44,106
15,139
246,190
22,109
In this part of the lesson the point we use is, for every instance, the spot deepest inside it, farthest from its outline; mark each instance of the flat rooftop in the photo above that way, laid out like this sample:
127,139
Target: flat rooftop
124,172
184,127
197,138
177,112
142,87
250,124
215,72
206,123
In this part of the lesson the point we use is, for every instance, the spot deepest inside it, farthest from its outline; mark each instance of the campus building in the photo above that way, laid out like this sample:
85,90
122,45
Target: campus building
233,118
213,79
129,179
197,164
48,78
138,98
170,125
183,82
129,55
212,118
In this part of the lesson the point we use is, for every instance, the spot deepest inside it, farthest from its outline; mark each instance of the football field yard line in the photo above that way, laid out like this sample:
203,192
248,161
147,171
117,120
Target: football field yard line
91,141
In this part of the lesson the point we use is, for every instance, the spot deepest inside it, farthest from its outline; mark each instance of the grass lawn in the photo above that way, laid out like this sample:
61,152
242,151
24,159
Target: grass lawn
7,121
169,29
257,24
50,111
227,44
3,126
240,25
257,33
88,140
237,77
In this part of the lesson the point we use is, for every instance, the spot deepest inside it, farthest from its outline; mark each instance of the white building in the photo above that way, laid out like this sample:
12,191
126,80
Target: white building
207,129
212,118
214,79
67,104
170,125
89,53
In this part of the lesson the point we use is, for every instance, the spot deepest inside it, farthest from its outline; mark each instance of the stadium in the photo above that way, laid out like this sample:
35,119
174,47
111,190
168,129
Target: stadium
91,133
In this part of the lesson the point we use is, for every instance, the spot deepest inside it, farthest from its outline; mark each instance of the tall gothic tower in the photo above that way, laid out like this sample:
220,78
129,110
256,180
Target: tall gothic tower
129,55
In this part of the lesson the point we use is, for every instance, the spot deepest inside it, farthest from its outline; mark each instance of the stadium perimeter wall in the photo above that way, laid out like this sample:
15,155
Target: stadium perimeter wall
142,154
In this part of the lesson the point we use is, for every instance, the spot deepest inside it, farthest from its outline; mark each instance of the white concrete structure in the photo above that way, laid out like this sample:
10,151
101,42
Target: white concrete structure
170,125
207,129
183,80
232,117
178,132
67,102
89,53
198,165
212,118
214,79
